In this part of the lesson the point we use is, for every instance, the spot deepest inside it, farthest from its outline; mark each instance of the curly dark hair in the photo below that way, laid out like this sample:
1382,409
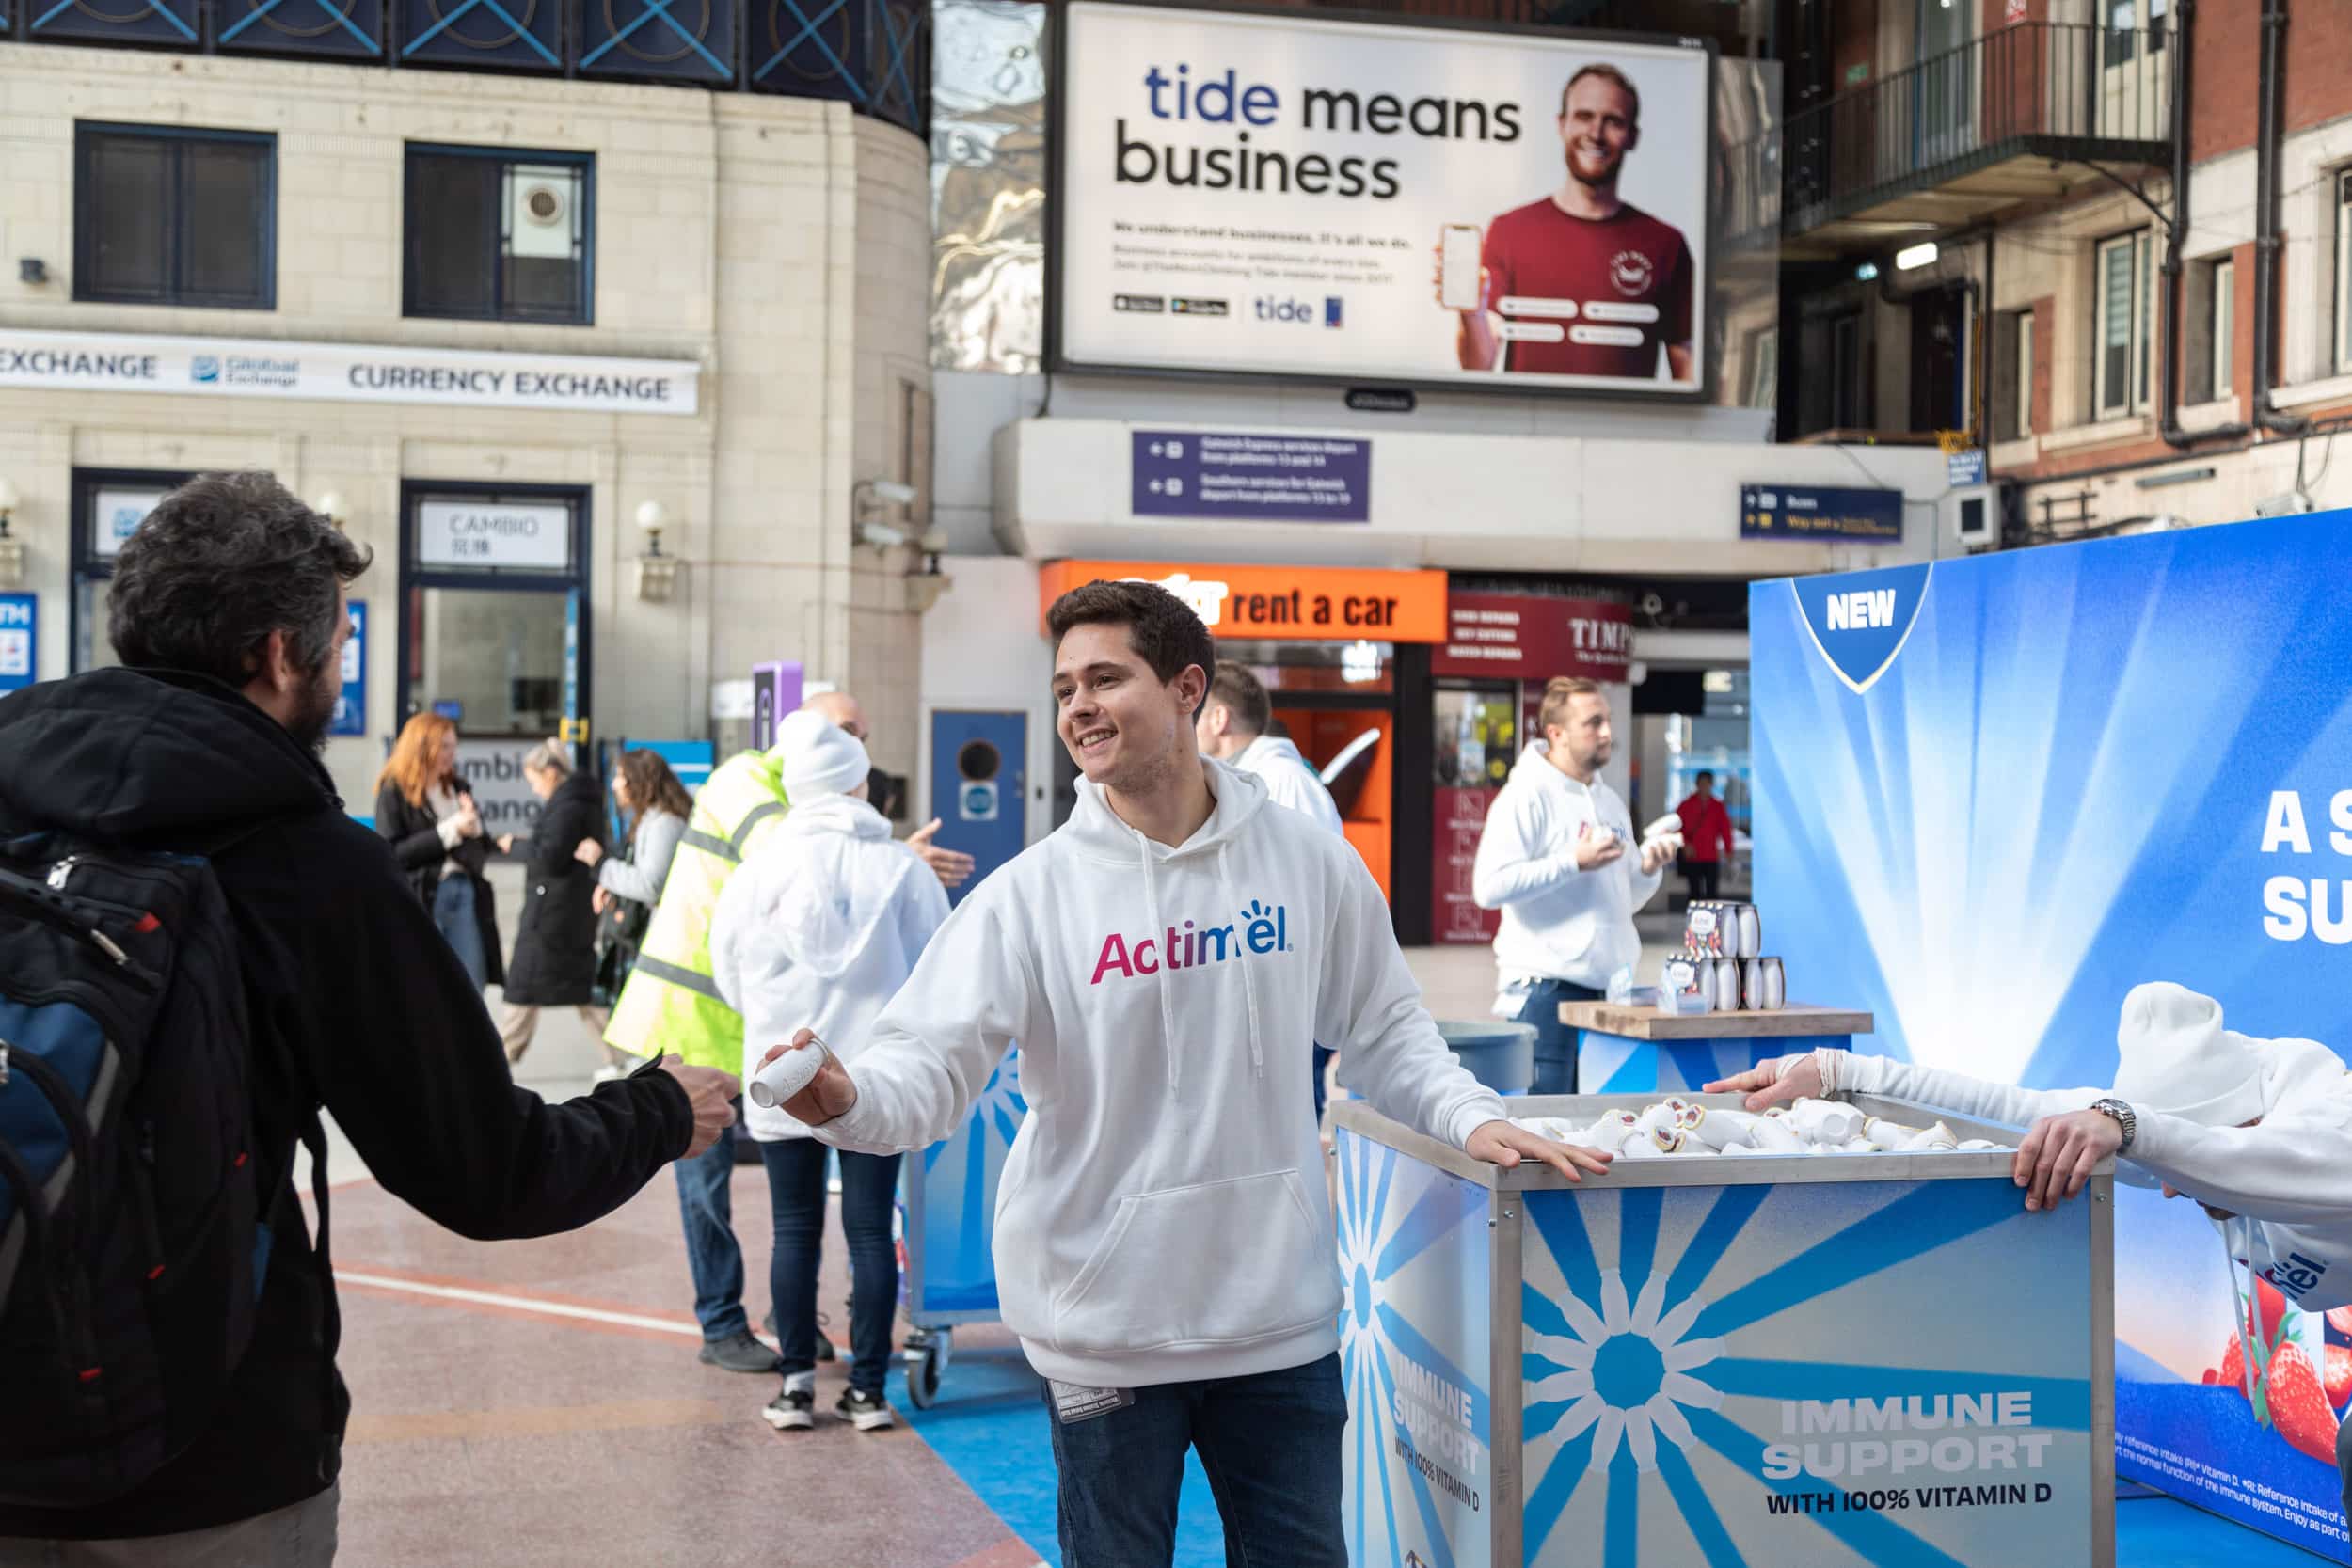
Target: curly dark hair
221,563
1161,627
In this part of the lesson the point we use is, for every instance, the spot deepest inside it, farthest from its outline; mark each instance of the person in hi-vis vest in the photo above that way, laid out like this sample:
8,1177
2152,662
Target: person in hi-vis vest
671,1003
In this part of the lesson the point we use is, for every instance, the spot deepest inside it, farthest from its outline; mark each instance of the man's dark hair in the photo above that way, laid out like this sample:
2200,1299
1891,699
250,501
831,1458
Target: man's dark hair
1610,74
1244,696
221,563
1161,627
1704,779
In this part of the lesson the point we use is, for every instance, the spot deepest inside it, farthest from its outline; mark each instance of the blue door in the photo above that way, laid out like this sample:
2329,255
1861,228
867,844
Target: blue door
979,779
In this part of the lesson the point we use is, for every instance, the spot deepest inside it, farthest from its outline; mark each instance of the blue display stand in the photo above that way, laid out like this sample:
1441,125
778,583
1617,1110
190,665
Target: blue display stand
948,1195
1642,1050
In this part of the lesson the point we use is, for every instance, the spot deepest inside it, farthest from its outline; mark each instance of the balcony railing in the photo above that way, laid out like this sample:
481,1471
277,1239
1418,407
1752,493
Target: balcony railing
875,54
2032,89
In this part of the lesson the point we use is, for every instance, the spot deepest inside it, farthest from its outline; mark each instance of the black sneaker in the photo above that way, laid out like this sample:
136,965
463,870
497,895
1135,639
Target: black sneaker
794,1410
824,1346
867,1412
739,1351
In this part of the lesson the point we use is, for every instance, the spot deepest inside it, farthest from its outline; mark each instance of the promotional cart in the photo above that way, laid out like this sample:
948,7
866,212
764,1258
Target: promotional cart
947,1228
1803,1361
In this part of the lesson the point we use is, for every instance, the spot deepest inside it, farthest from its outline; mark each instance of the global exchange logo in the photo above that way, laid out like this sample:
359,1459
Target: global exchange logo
1859,621
204,368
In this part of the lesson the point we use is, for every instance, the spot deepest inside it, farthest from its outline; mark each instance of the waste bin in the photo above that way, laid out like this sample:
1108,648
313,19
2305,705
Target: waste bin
1801,1361
1499,1055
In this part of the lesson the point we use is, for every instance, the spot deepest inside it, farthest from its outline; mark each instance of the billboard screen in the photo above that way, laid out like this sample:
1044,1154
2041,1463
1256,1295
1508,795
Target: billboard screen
1279,193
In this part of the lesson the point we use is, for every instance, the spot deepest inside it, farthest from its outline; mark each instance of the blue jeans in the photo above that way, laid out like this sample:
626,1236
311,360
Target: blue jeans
1270,1444
453,917
706,1203
796,1200
1555,1042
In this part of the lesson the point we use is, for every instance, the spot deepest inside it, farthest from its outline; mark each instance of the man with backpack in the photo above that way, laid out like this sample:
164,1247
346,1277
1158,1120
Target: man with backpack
198,950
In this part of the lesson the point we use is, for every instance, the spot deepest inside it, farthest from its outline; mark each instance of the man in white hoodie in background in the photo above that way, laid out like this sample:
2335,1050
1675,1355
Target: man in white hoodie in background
1559,859
1164,1240
819,928
1232,728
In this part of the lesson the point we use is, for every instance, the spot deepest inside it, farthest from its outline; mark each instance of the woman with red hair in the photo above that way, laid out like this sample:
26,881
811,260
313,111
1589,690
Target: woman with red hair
428,816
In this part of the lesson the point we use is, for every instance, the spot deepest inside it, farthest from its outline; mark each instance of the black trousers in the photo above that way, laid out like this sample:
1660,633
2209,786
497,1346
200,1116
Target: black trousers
1706,877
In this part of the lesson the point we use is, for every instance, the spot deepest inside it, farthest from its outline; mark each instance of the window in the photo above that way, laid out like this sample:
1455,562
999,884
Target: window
1764,367
1845,374
169,216
2121,345
2012,375
2344,270
2221,332
499,235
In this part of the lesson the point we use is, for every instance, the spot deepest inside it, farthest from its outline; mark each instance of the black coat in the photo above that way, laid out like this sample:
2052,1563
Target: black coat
416,841
358,1006
555,943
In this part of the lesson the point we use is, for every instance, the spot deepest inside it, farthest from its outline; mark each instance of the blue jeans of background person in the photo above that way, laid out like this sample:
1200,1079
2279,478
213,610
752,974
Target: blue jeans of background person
1270,1444
453,917
706,1202
1555,1042
796,1200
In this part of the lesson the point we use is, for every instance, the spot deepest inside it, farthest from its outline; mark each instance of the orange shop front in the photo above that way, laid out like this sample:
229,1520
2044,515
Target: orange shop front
1346,653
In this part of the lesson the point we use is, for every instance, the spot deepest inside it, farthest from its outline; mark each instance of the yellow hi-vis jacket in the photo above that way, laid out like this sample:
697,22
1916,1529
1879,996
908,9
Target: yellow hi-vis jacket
671,1003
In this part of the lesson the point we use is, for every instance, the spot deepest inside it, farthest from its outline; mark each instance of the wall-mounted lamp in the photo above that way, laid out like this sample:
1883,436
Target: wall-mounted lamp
11,548
330,506
657,574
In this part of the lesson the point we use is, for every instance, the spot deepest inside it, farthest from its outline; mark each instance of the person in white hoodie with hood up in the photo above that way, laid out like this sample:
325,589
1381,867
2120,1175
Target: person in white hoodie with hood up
2257,1132
1559,859
819,929
1164,1240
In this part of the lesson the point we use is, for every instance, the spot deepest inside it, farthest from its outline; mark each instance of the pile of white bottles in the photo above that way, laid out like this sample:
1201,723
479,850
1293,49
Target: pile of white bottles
1674,1125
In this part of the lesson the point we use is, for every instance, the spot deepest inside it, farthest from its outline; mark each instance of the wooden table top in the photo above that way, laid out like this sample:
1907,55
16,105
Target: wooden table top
1649,1024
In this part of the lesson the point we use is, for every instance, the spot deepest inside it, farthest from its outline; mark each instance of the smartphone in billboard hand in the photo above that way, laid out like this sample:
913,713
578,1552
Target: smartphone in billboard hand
1458,284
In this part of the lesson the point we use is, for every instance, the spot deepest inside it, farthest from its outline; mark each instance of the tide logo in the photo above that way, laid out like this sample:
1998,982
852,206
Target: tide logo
1261,929
1859,621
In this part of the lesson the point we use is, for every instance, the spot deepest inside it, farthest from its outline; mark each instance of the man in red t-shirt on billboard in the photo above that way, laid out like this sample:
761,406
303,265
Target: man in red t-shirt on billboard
1612,281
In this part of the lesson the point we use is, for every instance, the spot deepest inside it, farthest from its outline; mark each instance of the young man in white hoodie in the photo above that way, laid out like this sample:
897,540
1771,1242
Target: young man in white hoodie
1559,859
819,928
2257,1132
1164,1240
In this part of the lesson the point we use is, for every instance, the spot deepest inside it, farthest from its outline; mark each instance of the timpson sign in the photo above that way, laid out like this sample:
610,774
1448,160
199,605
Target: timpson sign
1534,636
344,372
1279,603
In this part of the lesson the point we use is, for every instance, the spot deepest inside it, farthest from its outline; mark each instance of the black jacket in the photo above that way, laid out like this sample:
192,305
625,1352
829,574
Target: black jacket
351,995
555,943
416,840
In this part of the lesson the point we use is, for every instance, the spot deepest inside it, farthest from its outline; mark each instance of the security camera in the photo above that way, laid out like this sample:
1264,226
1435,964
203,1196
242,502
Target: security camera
1652,605
890,492
881,535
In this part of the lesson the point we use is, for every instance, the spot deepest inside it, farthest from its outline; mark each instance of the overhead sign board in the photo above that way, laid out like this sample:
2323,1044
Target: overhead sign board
348,372
1812,513
1533,637
1250,477
1303,196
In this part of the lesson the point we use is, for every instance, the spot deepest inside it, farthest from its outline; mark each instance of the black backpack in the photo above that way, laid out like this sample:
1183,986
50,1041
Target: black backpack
132,1245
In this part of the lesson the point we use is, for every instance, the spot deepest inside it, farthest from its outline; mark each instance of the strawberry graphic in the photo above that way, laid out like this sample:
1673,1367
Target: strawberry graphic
2340,1319
2232,1373
2339,1375
2299,1404
2272,1305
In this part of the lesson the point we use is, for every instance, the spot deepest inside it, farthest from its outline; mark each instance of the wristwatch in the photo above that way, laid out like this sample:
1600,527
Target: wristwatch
2120,1114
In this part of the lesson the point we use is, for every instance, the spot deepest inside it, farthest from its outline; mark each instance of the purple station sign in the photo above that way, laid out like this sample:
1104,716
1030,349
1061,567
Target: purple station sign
1280,478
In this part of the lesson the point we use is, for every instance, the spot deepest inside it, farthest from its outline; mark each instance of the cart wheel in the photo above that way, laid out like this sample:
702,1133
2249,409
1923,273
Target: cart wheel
923,1369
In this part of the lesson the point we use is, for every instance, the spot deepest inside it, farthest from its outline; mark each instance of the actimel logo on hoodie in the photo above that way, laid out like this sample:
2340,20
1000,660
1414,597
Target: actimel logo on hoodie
1261,929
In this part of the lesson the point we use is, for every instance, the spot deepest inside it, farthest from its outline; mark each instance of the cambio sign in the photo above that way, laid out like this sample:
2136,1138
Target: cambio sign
465,533
1254,192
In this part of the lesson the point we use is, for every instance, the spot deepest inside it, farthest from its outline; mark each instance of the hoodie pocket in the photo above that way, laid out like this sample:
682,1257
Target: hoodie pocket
1218,1263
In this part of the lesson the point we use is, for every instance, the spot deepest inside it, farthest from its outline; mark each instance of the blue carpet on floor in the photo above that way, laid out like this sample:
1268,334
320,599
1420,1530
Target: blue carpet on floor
988,1427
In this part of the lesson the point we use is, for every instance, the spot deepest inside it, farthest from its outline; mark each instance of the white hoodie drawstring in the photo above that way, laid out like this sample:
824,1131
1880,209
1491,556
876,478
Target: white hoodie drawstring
1248,986
1152,903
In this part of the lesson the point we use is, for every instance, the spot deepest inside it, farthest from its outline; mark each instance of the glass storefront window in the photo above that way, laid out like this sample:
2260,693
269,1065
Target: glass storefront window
1293,667
1475,737
490,658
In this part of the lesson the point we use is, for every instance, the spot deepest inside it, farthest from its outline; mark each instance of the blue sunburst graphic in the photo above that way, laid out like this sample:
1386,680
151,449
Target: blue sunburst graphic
960,1177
